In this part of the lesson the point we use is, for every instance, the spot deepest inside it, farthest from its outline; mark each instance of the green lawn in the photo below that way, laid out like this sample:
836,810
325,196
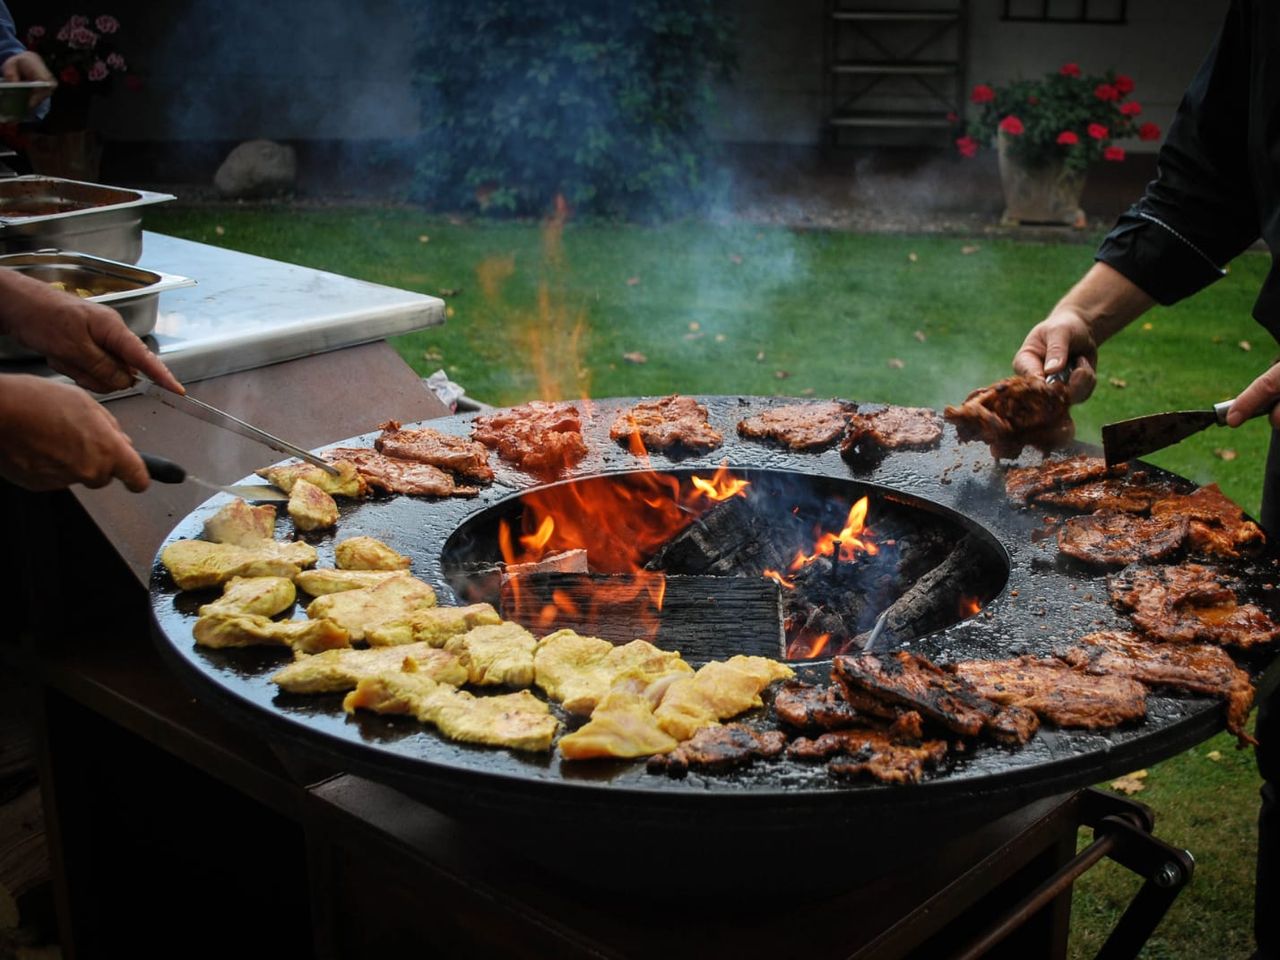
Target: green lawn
904,319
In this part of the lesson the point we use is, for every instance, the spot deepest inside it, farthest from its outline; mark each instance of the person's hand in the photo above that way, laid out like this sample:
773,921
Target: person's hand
53,435
1062,337
86,341
28,66
1257,398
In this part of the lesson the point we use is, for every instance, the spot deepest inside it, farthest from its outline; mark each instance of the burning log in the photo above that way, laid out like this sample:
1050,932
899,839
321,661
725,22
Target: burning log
730,539
706,618
482,583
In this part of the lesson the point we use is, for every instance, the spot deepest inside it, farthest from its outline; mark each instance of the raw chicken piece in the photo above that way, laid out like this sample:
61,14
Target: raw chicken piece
498,654
242,524
310,507
359,611
718,691
262,596
346,484
197,563
319,582
622,725
577,671
334,671
434,625
248,630
366,553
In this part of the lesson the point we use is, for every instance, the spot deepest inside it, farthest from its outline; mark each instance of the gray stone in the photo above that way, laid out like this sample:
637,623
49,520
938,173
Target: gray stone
257,168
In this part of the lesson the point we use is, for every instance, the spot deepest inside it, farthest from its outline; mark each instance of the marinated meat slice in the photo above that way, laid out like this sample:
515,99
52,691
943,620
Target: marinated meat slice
1023,483
910,682
1188,604
714,749
393,475
893,428
1193,667
1218,525
673,421
1013,413
806,707
1056,692
311,508
872,753
800,426
1113,495
1116,539
1015,724
537,436
241,524
425,445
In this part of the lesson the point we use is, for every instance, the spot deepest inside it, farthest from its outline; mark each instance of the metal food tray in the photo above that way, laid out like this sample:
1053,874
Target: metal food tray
38,213
131,291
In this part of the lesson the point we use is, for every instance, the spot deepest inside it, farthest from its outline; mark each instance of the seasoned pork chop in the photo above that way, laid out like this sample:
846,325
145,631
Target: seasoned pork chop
1057,693
1218,526
800,426
537,436
408,477
1023,483
893,428
425,445
716,749
1013,413
1190,603
1116,539
874,753
673,421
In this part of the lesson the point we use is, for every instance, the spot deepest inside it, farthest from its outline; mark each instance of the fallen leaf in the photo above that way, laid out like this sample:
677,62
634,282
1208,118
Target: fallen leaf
807,392
1217,338
1225,453
635,357
1214,755
433,354
1118,383
735,258
693,336
1245,345
781,374
1130,783
760,357
450,291
219,230
448,311
423,238
694,325
913,256
1148,326
896,364
972,248
919,335
632,281
721,338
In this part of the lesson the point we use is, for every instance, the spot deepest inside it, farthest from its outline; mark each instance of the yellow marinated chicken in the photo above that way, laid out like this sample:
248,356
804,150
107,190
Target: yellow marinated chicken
319,582
366,553
310,507
249,630
577,671
719,690
348,483
623,726
498,654
434,625
242,524
262,596
359,611
336,670
197,563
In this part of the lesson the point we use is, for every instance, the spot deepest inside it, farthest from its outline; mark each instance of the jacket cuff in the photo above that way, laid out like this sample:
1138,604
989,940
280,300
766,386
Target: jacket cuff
1163,263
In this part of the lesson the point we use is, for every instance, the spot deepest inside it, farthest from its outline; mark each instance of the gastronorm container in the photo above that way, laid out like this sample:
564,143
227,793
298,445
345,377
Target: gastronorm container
131,291
38,213
15,98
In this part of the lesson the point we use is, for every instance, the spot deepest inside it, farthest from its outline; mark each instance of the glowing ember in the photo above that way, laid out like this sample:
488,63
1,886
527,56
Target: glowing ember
969,606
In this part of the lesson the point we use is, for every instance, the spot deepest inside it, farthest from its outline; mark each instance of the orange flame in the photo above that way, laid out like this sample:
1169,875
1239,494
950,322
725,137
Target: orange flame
969,606
853,538
775,575
722,485
806,648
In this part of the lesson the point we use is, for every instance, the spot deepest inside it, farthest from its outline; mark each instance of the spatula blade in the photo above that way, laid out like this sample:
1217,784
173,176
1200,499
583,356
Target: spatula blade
1142,435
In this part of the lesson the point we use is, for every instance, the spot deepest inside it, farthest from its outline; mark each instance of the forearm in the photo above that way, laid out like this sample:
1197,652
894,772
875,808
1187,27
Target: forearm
1106,300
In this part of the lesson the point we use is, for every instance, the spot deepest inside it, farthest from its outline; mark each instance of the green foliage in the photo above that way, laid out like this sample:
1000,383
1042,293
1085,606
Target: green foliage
601,102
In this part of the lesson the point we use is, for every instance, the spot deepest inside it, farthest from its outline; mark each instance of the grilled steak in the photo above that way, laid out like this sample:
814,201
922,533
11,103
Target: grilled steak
441,450
536,436
874,753
1188,604
1116,539
673,421
893,428
1218,525
394,475
713,749
806,707
1022,483
1056,692
1013,413
1191,667
800,426
1113,495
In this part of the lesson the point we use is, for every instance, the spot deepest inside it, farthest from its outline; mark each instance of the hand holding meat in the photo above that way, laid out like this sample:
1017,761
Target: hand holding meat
1260,395
1053,343
86,341
55,435
28,66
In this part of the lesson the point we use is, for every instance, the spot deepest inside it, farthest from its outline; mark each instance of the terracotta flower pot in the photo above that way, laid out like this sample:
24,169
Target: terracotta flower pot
1048,193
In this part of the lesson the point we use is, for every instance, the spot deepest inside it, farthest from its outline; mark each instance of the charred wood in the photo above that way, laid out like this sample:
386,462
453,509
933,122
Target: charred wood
730,539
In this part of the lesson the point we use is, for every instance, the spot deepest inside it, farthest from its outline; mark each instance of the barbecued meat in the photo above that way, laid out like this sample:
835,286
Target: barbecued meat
319,582
536,436
714,749
394,475
1116,539
434,625
673,421
806,707
366,553
1013,413
197,563
1057,693
718,691
310,507
346,484
893,428
222,630
241,524
443,450
359,611
577,671
1193,667
1190,603
335,671
622,726
800,426
1022,483
263,596
873,753
1131,494
497,654
1218,525
904,681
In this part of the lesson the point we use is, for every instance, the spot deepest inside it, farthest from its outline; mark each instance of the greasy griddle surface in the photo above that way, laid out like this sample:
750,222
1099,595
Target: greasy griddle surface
1046,601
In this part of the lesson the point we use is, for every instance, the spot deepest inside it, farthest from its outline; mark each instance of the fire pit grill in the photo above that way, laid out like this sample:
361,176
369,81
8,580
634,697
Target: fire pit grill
1045,601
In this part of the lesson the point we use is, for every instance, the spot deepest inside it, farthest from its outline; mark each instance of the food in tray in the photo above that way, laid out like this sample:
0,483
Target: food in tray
1014,413
1218,526
336,671
347,483
443,450
539,437
1022,484
434,625
622,726
367,553
81,292
359,611
1055,692
865,752
669,423
1117,539
495,655
870,435
263,596
242,524
717,749
310,507
578,671
319,582
716,691
1189,667
1190,603
194,564
800,426
222,630
393,475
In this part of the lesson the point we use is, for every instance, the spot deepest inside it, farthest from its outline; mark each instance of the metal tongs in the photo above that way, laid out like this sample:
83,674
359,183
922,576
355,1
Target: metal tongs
189,405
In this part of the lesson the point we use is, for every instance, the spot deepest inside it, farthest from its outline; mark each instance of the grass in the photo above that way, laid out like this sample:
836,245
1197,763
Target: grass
904,319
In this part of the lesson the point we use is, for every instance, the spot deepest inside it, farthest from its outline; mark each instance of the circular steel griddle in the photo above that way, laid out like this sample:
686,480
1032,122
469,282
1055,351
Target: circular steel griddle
548,804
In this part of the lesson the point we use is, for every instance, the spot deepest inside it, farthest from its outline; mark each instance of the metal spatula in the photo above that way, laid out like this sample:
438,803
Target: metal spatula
1142,435
166,471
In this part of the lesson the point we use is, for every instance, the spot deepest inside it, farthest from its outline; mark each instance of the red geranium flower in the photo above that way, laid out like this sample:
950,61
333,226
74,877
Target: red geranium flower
1148,131
1097,131
1113,153
1070,70
1123,83
1105,91
982,94
70,76
1068,138
1131,109
967,146
1011,125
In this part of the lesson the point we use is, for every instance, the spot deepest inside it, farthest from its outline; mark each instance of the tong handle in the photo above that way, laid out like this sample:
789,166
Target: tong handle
162,470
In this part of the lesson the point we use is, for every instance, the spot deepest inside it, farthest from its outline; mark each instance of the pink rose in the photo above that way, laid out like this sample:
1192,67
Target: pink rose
107,24
982,94
967,146
1106,92
1097,131
1070,70
1113,153
1123,83
79,20
98,71
1011,125
1131,109
116,62
1068,138
82,38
